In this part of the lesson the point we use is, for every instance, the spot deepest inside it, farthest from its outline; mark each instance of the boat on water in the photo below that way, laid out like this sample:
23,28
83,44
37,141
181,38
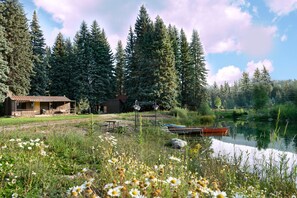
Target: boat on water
215,130
174,126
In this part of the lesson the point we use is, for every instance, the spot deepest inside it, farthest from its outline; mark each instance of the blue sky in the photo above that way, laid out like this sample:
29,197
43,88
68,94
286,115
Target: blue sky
237,35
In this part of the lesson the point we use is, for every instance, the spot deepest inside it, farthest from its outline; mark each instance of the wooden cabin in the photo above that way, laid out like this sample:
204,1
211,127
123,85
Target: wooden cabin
17,106
114,105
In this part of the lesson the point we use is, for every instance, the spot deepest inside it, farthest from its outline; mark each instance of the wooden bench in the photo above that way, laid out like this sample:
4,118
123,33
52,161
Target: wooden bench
112,124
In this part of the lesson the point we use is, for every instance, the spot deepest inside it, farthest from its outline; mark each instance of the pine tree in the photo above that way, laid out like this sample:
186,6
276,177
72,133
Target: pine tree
109,70
83,63
17,34
120,65
164,85
262,87
59,72
245,89
143,56
266,80
200,72
4,69
69,63
39,78
98,83
175,40
186,71
131,69
47,59
256,76
101,74
214,92
175,44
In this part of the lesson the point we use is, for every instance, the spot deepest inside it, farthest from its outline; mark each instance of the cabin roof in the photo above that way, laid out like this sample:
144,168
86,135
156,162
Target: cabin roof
40,98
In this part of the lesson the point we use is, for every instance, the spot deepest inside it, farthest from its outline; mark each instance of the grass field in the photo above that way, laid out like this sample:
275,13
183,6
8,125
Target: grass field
84,160
4,121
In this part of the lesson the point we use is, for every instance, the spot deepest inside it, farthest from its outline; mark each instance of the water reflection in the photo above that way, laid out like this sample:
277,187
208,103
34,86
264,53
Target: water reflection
260,135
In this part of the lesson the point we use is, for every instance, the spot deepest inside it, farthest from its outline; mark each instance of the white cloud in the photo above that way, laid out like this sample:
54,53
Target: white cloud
282,7
252,66
233,73
257,41
113,16
283,38
226,74
223,26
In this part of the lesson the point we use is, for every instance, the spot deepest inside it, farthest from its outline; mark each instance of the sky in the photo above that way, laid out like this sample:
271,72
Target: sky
237,35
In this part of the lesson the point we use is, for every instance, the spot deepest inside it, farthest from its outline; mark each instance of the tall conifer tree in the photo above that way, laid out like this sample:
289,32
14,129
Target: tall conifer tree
39,78
131,73
186,71
164,89
175,43
69,63
58,71
200,72
17,34
4,69
245,90
108,67
101,75
143,56
47,59
83,63
120,65
97,91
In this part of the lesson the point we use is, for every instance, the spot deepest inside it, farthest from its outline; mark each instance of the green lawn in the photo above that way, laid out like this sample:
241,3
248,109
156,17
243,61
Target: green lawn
24,120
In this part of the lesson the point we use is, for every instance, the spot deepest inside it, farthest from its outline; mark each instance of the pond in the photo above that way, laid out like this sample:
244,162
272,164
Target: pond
260,135
257,145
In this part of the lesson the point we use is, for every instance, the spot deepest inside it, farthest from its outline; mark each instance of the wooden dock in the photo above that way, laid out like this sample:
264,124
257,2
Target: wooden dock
186,131
202,131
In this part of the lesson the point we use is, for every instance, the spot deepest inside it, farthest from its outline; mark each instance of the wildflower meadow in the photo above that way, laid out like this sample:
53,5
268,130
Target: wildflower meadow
69,161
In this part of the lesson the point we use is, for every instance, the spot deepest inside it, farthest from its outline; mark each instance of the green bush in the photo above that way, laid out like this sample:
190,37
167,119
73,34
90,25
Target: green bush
287,111
179,112
238,112
205,109
207,119
83,106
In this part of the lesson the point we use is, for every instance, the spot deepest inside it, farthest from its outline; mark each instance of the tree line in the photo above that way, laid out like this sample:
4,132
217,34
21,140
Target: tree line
158,64
257,92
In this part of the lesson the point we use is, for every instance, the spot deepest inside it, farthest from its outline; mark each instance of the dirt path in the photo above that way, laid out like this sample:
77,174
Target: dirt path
100,118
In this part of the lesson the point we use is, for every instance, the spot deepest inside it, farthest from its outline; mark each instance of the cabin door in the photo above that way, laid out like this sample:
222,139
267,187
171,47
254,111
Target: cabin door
37,108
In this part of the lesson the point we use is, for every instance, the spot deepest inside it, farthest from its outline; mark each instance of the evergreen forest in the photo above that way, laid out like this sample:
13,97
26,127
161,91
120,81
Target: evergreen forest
156,64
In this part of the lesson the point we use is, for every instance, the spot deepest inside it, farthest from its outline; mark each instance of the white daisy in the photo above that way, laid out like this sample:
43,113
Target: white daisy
110,185
114,192
173,181
219,194
174,159
134,192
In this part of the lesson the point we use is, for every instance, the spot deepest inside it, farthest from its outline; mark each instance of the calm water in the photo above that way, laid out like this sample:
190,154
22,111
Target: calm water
259,135
255,144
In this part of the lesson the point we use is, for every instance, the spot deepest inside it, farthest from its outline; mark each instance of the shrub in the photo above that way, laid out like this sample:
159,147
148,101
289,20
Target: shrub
83,106
287,111
179,112
238,112
207,119
205,109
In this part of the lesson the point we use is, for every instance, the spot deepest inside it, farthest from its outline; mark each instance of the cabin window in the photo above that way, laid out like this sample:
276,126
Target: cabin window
21,105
